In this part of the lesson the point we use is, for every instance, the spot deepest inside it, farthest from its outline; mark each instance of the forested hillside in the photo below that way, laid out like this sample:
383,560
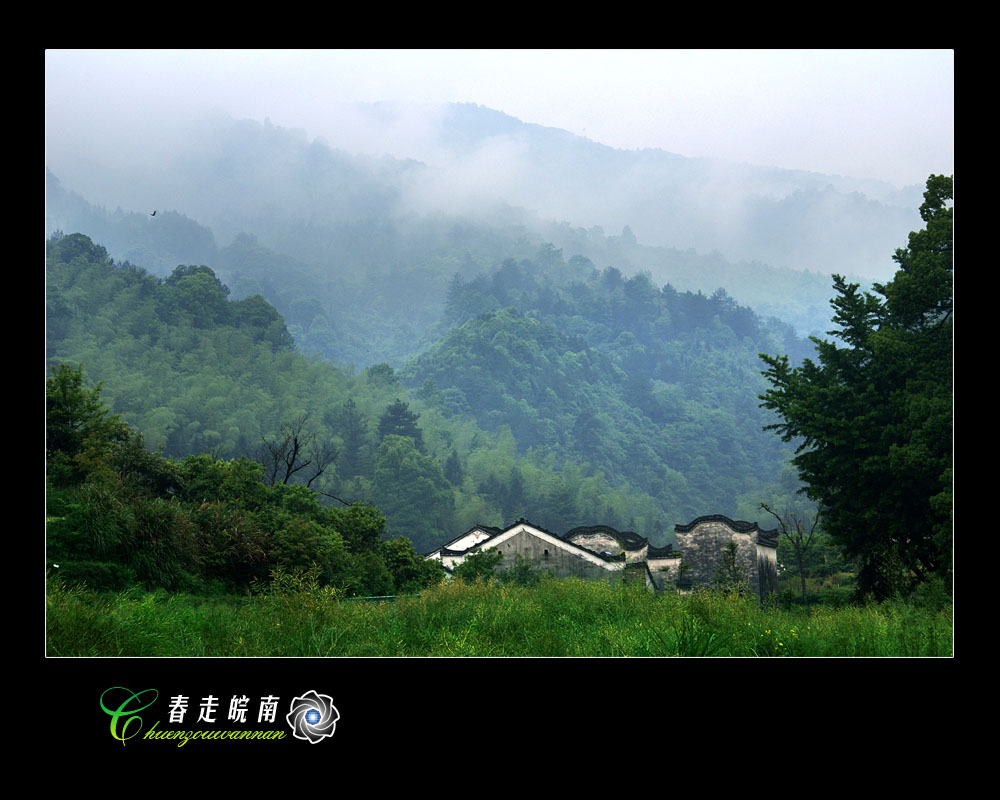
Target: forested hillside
641,384
174,239
568,412
119,516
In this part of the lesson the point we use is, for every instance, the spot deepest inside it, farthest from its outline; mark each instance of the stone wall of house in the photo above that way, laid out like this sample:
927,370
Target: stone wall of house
664,571
639,573
604,543
553,558
702,551
599,542
767,570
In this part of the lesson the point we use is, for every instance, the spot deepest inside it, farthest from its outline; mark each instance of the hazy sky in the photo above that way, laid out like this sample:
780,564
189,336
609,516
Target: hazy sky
886,114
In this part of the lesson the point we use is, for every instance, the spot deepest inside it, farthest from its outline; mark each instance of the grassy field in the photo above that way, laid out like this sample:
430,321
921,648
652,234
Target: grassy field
553,618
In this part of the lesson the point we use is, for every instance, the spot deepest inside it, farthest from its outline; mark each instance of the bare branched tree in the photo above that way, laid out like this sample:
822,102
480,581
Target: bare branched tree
798,533
296,450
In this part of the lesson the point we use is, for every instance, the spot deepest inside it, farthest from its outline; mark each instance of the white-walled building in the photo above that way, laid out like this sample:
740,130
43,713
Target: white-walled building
601,552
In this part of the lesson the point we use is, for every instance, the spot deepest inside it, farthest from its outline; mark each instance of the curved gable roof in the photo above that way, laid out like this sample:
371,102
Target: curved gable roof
768,538
627,539
447,549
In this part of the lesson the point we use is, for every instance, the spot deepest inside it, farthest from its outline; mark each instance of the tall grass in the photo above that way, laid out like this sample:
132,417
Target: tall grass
554,618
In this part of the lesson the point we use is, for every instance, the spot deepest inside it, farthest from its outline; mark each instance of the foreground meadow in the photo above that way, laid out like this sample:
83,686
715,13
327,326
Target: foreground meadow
553,618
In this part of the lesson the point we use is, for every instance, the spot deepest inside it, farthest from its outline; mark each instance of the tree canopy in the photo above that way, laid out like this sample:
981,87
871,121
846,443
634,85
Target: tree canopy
874,415
119,515
74,416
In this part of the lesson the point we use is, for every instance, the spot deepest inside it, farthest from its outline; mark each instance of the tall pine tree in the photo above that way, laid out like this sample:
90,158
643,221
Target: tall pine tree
398,420
875,414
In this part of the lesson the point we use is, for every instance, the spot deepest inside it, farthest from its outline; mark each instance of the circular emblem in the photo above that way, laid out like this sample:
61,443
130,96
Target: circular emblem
313,717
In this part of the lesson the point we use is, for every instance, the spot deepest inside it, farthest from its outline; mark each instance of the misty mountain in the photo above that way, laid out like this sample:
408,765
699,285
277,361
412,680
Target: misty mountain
341,241
464,160
158,245
784,218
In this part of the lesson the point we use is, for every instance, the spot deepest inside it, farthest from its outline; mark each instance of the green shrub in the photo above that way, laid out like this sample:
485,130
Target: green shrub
150,536
481,564
522,573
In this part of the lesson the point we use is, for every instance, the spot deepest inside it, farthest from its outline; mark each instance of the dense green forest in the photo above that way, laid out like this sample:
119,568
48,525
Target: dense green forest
120,516
195,372
615,375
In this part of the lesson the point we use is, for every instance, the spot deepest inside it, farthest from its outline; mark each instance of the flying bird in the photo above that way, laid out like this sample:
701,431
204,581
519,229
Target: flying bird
154,213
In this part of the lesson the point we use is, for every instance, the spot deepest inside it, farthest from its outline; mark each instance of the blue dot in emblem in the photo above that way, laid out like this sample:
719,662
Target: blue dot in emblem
312,716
